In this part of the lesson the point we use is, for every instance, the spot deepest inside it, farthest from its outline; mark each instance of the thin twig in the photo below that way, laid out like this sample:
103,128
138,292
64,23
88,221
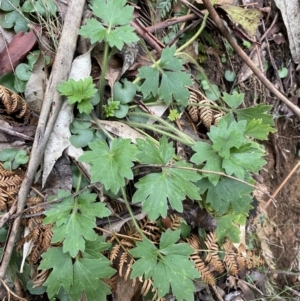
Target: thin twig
247,60
281,185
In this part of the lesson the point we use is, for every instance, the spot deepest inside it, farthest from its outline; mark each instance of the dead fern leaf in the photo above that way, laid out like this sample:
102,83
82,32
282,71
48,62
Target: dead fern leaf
16,105
193,111
217,117
200,265
206,114
230,258
212,257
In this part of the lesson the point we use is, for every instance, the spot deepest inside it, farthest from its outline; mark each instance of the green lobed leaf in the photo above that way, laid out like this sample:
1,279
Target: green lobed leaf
226,136
149,153
257,129
87,274
173,78
111,165
78,91
213,162
172,185
168,266
257,112
227,228
62,270
247,158
85,106
83,276
59,212
94,248
116,16
113,12
121,35
228,193
233,100
75,220
93,30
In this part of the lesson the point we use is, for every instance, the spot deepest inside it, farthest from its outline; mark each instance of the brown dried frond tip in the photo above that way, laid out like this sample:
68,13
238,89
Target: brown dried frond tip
206,114
10,182
16,106
193,110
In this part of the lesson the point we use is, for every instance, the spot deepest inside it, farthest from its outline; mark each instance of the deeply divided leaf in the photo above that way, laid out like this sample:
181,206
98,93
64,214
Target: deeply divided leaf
151,154
211,160
82,276
115,28
111,165
227,194
226,136
74,220
171,185
169,266
173,78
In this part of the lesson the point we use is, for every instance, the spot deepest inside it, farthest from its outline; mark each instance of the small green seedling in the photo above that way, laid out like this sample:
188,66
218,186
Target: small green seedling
13,158
283,72
230,75
80,92
173,115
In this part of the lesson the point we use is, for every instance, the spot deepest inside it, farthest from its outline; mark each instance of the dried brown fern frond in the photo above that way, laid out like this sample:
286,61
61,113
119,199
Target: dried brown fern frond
16,105
212,257
40,235
193,241
200,265
193,111
253,260
172,221
216,117
230,259
206,113
150,229
10,182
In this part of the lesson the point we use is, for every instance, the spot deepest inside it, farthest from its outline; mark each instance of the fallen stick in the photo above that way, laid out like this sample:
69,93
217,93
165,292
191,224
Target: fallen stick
51,106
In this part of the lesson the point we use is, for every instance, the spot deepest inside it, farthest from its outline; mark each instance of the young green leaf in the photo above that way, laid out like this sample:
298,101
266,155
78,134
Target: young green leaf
173,115
111,165
226,193
110,108
206,153
125,92
74,220
168,266
116,16
79,91
172,185
229,75
173,79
